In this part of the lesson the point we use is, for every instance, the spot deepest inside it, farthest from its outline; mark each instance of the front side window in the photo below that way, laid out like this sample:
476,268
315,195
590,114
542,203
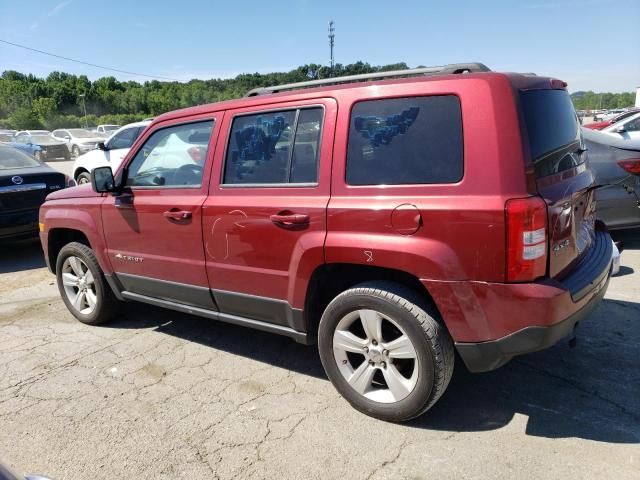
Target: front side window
274,148
405,141
172,157
633,125
124,139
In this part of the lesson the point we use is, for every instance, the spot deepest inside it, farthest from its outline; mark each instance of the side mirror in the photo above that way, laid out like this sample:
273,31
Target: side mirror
101,146
102,180
621,129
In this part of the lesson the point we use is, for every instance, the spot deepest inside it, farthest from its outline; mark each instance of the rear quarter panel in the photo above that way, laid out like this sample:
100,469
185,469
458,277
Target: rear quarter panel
462,234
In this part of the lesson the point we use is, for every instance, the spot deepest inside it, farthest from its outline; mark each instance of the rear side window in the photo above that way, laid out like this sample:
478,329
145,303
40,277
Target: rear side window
405,141
274,148
553,130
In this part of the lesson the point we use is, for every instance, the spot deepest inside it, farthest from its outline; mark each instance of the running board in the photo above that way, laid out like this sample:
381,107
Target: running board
299,337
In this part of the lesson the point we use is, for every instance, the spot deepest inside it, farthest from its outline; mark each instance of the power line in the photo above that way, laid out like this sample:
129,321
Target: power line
89,64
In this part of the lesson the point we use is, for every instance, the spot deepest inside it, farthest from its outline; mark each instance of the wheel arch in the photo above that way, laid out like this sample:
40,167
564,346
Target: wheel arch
329,280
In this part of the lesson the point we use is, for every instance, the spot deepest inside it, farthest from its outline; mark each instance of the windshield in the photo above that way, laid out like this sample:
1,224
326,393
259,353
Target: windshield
13,158
40,138
81,133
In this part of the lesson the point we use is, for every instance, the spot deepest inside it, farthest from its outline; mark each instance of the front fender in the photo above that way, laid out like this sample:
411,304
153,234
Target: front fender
67,214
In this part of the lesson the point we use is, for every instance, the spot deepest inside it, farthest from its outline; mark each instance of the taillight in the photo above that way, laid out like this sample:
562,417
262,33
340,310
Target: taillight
196,154
526,239
632,166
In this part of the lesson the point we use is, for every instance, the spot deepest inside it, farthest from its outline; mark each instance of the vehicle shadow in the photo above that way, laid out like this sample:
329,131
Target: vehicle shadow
16,256
589,392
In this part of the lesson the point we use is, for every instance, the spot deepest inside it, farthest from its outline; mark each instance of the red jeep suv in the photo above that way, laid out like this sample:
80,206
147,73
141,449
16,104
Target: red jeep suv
394,218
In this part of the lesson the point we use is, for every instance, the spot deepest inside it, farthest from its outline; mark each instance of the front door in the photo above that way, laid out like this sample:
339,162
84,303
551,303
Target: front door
265,217
153,229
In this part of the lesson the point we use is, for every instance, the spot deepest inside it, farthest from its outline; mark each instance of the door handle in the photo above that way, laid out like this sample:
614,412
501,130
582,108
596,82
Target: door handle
287,219
177,214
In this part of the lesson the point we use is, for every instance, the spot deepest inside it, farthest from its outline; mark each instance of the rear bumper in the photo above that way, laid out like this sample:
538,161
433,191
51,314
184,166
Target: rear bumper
487,356
493,322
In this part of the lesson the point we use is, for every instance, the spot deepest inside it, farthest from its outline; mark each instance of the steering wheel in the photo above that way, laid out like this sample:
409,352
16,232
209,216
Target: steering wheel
189,171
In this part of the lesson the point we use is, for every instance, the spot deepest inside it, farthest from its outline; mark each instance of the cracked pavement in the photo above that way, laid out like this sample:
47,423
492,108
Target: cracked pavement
162,395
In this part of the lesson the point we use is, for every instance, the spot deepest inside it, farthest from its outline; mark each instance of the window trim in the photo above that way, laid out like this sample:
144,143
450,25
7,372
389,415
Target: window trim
406,185
297,110
125,170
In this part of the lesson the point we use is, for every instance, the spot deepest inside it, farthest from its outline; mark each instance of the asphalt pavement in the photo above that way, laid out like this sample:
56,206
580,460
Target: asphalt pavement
162,395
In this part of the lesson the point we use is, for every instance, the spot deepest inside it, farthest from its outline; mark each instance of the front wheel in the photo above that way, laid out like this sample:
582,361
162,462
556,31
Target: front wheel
384,351
75,151
83,287
82,178
38,155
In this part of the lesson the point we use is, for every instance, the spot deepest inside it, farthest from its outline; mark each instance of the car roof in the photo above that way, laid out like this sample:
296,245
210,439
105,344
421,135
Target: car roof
518,81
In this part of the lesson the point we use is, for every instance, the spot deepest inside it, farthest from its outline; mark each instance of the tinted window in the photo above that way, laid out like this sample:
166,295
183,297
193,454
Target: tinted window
405,141
124,139
550,119
172,157
633,125
13,158
276,147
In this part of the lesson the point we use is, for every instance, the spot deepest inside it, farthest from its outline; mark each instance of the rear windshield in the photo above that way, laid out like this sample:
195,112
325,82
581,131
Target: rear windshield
550,119
13,158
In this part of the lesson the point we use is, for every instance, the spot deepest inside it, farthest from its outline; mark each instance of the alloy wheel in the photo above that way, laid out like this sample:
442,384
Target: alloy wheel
375,356
79,285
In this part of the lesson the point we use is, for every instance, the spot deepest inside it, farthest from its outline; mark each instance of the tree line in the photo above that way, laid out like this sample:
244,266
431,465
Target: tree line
59,100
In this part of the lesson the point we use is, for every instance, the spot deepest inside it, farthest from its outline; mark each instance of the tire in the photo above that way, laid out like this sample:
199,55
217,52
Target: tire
38,156
75,151
78,261
84,177
425,376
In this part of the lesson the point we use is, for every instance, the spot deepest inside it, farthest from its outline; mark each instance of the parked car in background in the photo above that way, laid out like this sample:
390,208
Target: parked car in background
78,140
394,220
110,153
605,123
607,115
41,145
107,130
629,128
615,162
7,135
24,184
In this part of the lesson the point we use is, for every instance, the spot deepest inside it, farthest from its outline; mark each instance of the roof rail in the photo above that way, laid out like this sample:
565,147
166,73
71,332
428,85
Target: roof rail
454,68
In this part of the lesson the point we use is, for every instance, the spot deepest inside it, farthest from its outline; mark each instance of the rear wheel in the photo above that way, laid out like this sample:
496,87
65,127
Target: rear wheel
84,177
75,151
82,285
383,350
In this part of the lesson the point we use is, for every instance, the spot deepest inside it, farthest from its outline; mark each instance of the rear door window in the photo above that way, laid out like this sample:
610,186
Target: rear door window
278,147
405,141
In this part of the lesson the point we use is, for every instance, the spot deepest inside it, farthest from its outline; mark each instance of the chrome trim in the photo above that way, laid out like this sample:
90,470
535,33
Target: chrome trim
23,187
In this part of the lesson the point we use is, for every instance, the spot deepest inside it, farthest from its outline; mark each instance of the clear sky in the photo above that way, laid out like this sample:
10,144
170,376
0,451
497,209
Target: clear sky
591,44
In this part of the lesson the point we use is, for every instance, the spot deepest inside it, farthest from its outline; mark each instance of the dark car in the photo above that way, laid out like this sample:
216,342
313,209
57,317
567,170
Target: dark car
615,163
24,184
41,145
394,220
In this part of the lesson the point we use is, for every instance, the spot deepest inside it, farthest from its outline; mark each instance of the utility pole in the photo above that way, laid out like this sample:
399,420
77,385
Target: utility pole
332,36
84,107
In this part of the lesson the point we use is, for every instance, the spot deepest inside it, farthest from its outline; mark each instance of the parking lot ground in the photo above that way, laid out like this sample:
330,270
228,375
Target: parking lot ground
65,167
162,395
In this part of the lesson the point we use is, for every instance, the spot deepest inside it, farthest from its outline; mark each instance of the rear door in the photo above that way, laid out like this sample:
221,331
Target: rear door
153,229
558,156
265,217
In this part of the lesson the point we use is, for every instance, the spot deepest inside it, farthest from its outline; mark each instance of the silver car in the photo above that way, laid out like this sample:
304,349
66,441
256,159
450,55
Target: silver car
616,165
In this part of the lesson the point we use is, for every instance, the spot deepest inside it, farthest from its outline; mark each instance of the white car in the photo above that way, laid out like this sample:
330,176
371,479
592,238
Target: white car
108,154
78,140
106,130
627,129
